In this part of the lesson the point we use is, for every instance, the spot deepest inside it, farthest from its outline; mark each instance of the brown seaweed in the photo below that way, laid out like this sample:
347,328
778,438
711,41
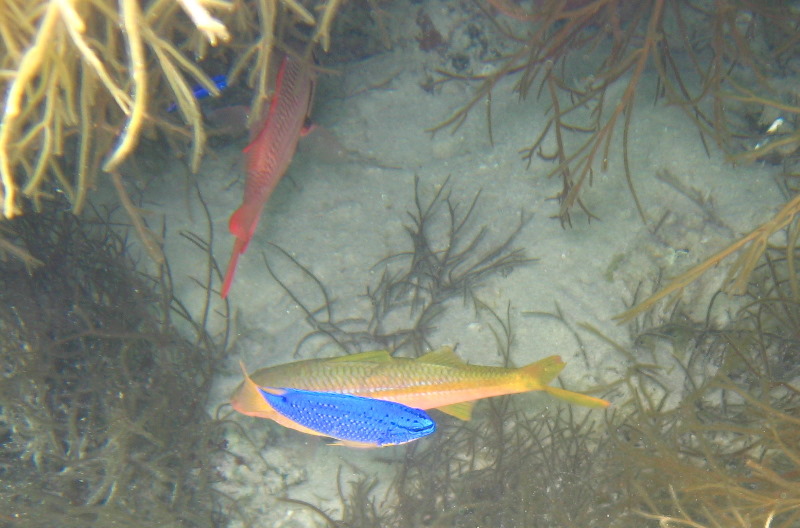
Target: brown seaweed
703,433
719,63
448,258
102,402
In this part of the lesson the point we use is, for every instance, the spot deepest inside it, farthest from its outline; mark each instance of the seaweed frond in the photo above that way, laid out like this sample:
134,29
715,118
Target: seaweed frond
714,441
448,258
721,64
751,248
102,401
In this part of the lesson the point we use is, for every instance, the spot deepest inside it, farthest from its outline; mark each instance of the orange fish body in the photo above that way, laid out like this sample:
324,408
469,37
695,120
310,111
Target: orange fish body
437,380
270,153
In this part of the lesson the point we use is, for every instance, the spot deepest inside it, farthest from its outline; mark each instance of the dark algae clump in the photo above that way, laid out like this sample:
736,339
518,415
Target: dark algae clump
102,402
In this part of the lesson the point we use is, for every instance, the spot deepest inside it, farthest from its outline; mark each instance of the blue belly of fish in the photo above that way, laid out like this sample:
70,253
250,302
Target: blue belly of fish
352,418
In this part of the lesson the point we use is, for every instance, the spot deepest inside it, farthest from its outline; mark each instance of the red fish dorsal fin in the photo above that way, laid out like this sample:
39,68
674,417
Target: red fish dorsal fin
444,356
243,223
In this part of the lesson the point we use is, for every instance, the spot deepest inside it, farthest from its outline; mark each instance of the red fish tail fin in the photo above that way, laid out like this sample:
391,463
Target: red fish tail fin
231,271
242,225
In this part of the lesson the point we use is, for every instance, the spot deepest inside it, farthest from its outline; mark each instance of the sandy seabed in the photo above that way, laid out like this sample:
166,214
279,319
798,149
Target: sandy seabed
340,215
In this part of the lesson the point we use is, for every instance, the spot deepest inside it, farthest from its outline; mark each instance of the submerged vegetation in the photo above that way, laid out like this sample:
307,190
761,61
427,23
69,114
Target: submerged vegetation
704,433
722,63
729,65
448,258
711,438
103,404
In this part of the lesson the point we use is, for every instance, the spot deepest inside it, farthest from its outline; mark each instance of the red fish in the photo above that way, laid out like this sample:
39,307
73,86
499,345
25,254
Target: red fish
271,152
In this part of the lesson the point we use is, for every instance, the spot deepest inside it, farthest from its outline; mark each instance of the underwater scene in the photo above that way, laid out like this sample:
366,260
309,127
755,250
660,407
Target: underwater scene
421,263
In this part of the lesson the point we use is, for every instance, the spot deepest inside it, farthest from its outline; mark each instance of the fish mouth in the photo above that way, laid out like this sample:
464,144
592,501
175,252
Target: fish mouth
421,429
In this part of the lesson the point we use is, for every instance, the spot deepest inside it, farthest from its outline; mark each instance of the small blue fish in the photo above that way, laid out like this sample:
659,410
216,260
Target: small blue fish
201,92
355,421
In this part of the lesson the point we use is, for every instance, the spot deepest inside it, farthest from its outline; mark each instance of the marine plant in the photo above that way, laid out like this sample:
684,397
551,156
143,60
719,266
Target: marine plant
725,64
712,436
703,433
103,403
722,63
448,257
750,249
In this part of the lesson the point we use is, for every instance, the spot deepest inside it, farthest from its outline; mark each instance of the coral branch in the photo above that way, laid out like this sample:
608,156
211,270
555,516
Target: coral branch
28,68
210,26
146,236
131,20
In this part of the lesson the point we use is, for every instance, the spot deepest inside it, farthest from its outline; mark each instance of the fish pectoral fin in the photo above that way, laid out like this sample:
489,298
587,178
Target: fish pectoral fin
462,411
443,356
577,398
372,355
308,127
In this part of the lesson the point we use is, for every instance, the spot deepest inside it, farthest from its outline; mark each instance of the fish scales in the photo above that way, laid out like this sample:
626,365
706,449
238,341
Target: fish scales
403,380
271,152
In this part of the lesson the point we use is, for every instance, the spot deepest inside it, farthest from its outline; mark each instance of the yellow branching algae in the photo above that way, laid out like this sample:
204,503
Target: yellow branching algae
84,80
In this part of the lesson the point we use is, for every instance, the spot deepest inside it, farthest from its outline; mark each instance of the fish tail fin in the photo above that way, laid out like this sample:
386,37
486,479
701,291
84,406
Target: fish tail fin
544,371
231,271
248,400
242,225
577,398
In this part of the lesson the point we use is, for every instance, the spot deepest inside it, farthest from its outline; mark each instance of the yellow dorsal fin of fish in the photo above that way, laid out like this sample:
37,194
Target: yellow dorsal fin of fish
372,355
443,356
462,411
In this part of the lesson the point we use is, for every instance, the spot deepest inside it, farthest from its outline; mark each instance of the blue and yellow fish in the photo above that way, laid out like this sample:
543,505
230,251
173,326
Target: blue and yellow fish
354,421
438,380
